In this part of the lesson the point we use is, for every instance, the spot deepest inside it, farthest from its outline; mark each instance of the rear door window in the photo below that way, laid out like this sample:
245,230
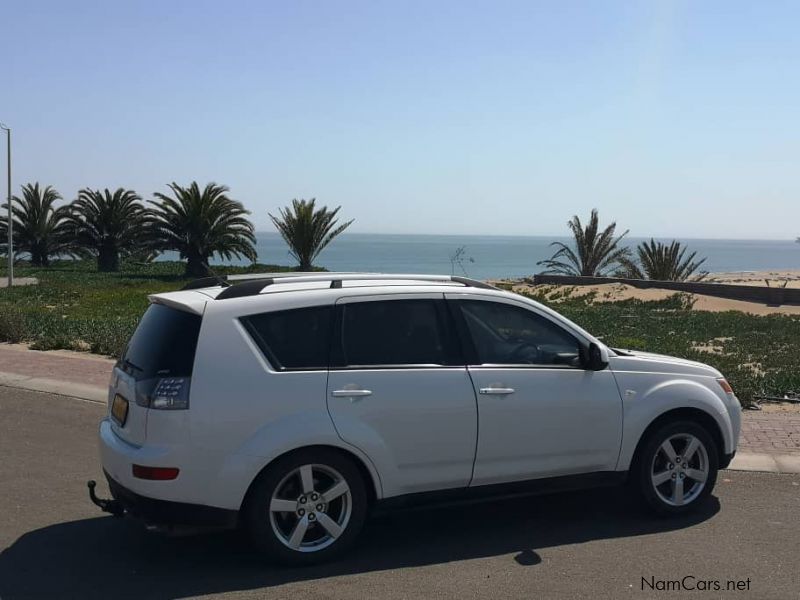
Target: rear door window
395,333
163,345
296,339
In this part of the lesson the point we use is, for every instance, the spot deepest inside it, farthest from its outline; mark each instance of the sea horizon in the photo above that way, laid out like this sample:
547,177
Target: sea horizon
500,256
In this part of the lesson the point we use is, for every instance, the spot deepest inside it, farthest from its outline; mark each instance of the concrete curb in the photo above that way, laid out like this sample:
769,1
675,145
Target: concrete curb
54,386
766,463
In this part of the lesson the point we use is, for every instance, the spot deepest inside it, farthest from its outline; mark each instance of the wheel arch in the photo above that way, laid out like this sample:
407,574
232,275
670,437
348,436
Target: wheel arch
371,482
695,415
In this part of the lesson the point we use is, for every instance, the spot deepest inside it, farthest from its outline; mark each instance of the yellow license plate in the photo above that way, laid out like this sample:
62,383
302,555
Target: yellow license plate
119,410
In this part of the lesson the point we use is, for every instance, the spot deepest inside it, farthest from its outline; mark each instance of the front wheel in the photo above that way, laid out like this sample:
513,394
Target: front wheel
677,468
307,507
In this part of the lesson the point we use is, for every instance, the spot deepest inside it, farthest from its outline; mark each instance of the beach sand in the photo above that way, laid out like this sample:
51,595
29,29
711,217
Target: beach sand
614,292
771,278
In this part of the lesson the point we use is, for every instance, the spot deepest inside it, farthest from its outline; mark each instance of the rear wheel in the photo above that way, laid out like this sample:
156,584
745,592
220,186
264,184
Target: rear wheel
307,507
676,468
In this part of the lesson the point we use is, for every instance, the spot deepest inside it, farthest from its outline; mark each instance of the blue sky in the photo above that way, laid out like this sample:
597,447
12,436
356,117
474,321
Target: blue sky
674,118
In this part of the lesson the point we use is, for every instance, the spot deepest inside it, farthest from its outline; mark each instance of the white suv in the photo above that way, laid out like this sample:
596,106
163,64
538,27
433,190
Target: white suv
292,404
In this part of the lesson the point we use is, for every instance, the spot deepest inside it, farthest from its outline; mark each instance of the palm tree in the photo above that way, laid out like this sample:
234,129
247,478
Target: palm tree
308,230
198,224
40,229
109,226
663,262
595,252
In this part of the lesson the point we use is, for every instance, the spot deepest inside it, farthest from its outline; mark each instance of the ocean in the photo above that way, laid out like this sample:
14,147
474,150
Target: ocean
502,256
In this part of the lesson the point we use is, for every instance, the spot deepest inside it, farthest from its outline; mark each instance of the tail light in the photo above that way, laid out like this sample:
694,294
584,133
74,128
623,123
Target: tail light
171,393
166,393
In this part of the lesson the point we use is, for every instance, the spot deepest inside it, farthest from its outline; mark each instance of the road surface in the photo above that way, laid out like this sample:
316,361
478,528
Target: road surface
595,544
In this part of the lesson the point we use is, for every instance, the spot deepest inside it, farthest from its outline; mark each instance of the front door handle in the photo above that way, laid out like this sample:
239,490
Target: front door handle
351,393
496,391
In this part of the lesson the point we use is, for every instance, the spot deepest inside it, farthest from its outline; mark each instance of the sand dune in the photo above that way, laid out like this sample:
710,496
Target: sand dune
614,292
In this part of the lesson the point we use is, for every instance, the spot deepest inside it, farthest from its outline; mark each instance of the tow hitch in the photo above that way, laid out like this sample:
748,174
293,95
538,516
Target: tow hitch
110,506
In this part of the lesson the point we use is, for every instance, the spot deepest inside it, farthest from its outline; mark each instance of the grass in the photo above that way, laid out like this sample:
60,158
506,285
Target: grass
758,354
75,307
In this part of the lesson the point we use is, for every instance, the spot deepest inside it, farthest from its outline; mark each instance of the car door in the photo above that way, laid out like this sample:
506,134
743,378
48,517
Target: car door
399,390
541,413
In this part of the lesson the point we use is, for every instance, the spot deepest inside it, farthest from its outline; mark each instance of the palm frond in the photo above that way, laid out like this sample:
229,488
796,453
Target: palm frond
108,225
308,230
201,223
668,262
594,253
39,227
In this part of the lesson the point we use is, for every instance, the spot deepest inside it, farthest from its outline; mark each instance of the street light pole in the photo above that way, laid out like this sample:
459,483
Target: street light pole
10,220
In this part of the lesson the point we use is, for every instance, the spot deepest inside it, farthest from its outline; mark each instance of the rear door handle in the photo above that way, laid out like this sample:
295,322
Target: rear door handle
496,391
351,393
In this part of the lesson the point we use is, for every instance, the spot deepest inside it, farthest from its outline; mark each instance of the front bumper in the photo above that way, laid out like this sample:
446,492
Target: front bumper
726,459
167,513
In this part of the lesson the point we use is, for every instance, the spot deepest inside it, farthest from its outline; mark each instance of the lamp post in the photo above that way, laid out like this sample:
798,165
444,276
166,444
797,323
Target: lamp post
10,221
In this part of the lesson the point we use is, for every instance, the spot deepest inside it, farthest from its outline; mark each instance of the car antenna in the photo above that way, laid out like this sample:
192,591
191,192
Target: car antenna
221,280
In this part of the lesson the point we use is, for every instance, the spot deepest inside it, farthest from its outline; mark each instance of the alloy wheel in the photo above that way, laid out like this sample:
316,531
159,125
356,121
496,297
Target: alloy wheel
310,507
679,469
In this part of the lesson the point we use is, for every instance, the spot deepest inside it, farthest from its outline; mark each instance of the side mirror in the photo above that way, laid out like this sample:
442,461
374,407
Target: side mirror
596,358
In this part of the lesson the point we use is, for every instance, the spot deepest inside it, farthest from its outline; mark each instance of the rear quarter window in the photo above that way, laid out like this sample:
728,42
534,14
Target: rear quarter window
163,345
296,339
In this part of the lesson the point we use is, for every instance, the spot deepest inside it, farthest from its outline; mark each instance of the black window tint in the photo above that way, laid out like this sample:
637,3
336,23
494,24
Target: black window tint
293,339
394,332
163,344
511,335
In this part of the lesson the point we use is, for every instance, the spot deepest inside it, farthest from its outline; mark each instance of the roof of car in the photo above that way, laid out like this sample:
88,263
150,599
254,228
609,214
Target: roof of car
285,287
238,286
195,294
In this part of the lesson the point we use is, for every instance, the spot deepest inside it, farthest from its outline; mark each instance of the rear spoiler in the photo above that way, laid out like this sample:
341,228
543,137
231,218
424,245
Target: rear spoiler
191,302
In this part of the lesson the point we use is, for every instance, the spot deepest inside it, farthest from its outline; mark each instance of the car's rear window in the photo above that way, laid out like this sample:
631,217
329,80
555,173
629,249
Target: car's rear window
163,344
293,339
394,333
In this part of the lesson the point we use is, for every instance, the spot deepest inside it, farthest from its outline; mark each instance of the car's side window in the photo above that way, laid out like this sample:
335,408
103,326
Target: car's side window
503,334
394,333
297,339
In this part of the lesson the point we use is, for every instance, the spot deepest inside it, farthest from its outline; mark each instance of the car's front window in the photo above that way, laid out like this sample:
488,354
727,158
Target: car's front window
511,335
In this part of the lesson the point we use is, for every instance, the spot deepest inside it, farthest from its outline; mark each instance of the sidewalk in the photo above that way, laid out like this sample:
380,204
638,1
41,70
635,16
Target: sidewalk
59,372
770,441
18,281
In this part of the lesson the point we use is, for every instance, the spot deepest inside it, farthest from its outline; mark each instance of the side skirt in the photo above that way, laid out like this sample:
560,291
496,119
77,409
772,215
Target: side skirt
499,491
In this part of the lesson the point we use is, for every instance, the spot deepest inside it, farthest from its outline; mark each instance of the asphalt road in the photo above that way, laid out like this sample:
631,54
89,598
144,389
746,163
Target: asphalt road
595,544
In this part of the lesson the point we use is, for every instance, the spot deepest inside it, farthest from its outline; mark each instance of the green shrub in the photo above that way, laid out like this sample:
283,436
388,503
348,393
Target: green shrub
12,325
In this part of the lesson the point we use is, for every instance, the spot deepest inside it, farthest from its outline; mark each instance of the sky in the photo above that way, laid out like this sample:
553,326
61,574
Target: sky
449,116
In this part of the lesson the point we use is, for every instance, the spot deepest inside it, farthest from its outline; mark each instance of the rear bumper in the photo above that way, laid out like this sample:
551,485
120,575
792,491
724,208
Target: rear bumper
202,480
164,512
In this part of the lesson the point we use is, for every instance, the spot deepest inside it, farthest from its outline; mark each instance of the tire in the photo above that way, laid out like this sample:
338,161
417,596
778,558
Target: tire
290,517
668,485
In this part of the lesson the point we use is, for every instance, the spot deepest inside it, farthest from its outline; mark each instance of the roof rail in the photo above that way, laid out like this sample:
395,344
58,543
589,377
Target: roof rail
255,283
473,283
287,274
